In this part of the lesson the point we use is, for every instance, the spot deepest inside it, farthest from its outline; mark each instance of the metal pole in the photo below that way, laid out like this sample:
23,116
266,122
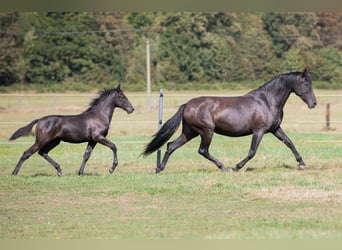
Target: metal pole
160,121
148,74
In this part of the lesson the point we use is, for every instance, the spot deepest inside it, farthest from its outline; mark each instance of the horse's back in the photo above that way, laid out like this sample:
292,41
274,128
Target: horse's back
231,116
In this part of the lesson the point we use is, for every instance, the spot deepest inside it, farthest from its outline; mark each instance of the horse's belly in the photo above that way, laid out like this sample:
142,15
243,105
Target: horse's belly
234,132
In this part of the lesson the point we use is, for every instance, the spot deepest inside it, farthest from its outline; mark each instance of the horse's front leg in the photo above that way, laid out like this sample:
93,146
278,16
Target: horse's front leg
86,156
280,134
256,139
104,141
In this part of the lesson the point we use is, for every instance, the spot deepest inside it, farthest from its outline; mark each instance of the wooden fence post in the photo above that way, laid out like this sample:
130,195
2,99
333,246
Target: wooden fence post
327,116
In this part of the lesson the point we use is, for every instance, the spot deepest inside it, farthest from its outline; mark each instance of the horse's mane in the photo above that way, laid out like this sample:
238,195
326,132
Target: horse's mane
102,94
278,80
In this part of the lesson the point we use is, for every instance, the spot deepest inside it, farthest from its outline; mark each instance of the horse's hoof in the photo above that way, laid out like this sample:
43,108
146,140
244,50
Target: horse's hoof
234,169
111,170
59,174
302,167
157,170
224,170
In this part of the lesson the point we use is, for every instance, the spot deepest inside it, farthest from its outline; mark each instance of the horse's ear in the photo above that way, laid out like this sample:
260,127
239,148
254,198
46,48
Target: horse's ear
305,72
118,87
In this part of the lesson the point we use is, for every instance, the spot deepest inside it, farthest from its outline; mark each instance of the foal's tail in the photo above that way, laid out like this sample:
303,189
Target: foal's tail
23,131
165,133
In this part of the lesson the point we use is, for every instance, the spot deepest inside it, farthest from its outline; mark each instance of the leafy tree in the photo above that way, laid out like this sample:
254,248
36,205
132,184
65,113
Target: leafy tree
117,42
9,52
140,19
329,64
293,61
272,24
102,47
330,28
180,46
255,48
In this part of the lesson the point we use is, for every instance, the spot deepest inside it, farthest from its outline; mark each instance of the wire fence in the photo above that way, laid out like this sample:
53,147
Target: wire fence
17,110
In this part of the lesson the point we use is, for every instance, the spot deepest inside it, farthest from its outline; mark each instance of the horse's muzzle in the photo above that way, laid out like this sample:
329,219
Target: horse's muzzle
311,105
130,110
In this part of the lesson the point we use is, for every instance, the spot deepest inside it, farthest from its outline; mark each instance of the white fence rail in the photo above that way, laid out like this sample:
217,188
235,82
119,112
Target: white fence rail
38,104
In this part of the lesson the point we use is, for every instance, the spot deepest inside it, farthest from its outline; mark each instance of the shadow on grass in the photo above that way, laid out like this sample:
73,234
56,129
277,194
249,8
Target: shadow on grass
265,168
63,175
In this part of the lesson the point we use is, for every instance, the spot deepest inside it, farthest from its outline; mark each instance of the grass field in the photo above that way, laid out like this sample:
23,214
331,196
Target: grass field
269,198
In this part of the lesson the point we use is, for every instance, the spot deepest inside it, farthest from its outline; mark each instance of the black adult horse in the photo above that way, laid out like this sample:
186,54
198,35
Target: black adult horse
258,112
90,126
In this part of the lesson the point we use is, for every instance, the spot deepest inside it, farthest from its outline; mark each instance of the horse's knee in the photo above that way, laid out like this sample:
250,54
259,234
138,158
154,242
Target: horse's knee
203,152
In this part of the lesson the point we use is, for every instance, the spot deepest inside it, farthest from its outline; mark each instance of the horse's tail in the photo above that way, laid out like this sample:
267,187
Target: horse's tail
24,130
165,133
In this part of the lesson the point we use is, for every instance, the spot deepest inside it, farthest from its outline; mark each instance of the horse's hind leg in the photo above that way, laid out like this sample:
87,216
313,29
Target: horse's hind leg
86,156
24,157
206,138
186,136
44,153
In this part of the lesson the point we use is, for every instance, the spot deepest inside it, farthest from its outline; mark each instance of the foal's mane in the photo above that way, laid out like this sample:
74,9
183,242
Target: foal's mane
102,95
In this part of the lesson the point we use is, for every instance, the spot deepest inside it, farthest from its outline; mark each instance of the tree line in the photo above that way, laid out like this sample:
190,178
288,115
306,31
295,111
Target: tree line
62,47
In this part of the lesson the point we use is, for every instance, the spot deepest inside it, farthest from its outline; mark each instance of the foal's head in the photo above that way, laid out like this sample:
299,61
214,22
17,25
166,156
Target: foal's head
121,101
303,89
110,98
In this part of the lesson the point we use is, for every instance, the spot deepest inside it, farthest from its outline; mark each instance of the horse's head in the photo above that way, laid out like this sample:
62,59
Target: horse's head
122,101
303,89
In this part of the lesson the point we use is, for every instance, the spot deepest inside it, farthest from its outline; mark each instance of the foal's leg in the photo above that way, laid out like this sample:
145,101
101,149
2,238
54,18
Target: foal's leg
24,157
104,141
44,153
256,139
206,138
86,156
186,136
280,134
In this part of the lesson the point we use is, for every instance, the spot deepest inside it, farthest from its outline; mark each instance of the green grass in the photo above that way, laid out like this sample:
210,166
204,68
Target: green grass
191,198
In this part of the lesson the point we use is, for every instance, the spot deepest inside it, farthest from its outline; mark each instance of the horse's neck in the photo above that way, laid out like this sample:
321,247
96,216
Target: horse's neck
278,93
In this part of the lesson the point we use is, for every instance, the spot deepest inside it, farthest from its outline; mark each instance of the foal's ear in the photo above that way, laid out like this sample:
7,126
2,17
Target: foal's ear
118,87
305,72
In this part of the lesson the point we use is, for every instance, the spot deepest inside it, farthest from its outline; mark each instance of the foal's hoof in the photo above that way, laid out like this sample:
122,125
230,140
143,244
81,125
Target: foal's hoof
111,170
235,169
59,173
157,170
302,167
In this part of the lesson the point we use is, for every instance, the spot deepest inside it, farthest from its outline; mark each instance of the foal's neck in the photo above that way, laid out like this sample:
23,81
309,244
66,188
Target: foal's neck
108,110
